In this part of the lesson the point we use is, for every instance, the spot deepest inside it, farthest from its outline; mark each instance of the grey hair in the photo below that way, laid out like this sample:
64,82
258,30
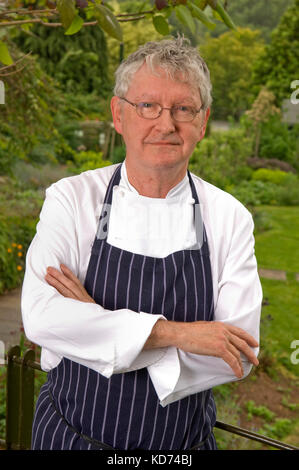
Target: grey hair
176,57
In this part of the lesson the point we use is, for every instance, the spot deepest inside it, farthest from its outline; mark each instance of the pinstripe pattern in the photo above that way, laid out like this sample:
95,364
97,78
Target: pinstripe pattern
124,411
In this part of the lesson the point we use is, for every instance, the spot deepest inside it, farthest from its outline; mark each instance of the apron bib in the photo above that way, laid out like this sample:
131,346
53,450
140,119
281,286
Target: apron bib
79,408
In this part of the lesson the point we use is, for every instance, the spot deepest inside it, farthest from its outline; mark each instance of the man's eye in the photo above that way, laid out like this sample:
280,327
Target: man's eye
184,109
146,105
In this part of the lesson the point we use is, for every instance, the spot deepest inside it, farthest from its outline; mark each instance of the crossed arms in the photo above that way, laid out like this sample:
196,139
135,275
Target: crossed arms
200,337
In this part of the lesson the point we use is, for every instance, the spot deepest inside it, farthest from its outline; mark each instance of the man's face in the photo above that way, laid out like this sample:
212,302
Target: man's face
162,142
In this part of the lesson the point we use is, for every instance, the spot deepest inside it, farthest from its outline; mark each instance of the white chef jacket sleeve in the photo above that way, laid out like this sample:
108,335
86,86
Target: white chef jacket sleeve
239,304
105,341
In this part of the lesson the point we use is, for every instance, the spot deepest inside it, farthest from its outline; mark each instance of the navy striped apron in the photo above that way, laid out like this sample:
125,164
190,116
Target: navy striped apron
79,408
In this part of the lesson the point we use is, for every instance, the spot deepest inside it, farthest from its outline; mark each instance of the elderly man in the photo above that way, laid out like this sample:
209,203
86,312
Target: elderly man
141,284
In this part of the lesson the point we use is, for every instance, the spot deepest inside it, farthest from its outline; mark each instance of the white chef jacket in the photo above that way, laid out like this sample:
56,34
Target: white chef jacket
112,343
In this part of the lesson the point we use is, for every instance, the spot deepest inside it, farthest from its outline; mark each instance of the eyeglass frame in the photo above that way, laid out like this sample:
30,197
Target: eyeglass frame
161,110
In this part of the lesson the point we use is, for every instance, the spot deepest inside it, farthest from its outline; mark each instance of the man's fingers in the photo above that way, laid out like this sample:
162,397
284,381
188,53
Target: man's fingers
233,359
67,284
61,288
243,335
72,276
242,346
62,280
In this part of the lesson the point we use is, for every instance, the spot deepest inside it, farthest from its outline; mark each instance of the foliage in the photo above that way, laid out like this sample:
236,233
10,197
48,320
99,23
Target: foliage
255,193
89,160
279,429
261,111
230,58
73,15
273,176
280,142
28,119
263,16
135,34
15,236
261,411
32,180
277,67
78,63
119,154
220,158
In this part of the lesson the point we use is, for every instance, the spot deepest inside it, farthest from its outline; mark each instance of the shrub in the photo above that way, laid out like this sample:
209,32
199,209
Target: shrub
278,141
221,158
256,192
33,177
119,154
15,236
261,411
89,160
273,176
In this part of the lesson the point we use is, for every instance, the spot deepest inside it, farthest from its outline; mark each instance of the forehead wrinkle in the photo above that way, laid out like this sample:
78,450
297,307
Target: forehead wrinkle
154,99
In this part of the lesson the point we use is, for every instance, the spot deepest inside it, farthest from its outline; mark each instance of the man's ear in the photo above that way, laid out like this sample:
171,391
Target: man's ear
115,107
204,124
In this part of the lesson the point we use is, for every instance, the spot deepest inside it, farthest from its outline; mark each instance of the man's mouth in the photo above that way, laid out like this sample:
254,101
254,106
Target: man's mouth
162,143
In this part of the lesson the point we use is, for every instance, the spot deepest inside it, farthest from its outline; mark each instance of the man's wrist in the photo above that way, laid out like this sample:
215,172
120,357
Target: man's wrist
163,334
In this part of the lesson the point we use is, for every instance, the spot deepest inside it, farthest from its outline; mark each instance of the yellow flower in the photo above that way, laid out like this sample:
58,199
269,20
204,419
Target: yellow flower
9,250
13,244
20,247
19,268
20,254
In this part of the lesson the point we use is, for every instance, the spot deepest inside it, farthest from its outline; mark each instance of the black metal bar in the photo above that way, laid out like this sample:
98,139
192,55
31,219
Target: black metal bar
30,363
255,436
12,397
26,400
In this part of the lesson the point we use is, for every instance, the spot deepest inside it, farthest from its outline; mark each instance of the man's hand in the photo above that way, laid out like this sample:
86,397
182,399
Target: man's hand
206,338
67,284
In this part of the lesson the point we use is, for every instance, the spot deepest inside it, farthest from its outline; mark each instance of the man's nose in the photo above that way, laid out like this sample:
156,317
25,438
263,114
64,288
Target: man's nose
165,121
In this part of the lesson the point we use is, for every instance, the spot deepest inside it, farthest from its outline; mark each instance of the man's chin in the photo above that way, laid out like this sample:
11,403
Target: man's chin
164,160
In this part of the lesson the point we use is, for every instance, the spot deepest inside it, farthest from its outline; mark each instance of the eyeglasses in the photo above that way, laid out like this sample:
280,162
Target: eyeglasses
154,110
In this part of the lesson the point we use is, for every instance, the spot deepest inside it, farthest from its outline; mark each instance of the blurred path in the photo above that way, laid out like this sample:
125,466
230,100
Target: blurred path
10,318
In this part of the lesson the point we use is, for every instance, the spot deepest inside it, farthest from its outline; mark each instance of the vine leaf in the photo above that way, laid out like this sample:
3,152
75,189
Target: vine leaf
161,25
184,16
108,22
225,16
75,26
5,56
67,11
199,14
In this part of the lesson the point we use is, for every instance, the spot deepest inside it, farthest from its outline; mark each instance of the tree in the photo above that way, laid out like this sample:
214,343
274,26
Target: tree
78,63
230,58
28,118
259,15
277,67
262,109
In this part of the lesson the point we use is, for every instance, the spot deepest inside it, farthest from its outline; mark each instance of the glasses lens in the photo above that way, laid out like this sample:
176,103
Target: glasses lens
148,110
183,113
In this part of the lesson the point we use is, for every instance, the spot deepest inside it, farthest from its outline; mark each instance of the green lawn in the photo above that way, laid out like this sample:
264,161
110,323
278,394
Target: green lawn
280,320
278,248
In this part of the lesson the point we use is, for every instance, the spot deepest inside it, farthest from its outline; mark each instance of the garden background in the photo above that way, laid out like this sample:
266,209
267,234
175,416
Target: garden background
56,122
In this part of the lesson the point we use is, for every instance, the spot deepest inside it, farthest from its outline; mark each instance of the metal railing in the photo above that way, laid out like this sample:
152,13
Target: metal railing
20,405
